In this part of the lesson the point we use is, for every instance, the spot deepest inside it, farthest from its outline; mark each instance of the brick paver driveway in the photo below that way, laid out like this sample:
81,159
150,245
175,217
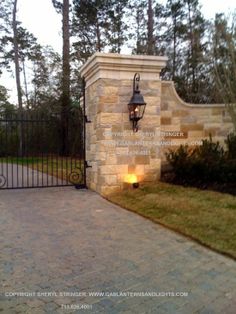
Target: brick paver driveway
59,245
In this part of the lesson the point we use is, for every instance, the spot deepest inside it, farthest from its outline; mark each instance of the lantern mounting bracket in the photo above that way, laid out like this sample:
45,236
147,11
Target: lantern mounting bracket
137,104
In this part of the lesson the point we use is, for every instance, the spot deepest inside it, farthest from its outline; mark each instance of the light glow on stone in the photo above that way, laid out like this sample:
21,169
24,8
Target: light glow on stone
131,178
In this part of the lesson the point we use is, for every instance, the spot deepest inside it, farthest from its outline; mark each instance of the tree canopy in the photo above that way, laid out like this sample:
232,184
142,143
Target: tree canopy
201,52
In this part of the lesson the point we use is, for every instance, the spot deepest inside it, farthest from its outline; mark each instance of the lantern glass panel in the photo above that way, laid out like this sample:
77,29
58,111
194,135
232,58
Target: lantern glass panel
136,111
141,110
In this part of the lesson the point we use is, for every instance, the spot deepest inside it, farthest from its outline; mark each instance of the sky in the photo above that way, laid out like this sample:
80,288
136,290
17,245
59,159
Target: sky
40,18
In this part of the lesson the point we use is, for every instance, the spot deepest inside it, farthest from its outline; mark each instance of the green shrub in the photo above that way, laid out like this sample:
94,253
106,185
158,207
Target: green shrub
205,164
209,159
231,146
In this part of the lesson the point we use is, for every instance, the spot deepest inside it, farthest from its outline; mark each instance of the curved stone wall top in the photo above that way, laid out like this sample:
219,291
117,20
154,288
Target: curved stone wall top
121,67
168,87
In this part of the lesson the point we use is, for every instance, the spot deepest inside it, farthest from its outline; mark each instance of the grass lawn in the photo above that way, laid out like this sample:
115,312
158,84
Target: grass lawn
206,216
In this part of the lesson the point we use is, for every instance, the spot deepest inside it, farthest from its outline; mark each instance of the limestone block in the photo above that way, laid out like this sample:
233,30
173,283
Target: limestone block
142,160
126,83
195,134
165,120
216,119
125,121
100,134
93,148
125,91
110,90
127,125
203,111
170,128
164,105
92,186
123,160
172,105
116,131
152,110
108,99
176,120
155,163
210,125
104,134
111,159
122,151
101,180
131,169
151,121
179,142
110,180
101,156
166,114
112,169
106,190
109,82
156,85
175,135
217,111
108,108
152,101
180,113
109,119
190,119
139,170
151,178
191,127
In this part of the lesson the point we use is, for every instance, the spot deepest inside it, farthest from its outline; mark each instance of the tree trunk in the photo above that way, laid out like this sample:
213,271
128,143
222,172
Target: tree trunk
138,41
65,76
174,50
98,36
193,89
16,56
150,43
35,88
25,83
17,74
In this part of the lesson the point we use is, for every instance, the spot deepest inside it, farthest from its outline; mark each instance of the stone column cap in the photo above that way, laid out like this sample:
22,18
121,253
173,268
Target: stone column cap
121,67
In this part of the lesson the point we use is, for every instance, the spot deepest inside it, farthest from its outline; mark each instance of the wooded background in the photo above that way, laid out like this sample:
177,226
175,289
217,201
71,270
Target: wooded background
202,54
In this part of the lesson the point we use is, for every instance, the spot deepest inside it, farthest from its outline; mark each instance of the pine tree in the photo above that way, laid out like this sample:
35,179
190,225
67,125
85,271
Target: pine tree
116,26
150,29
90,21
63,8
224,59
5,106
195,27
175,30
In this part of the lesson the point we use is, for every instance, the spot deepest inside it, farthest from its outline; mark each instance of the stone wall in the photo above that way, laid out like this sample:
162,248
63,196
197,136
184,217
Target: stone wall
183,123
113,150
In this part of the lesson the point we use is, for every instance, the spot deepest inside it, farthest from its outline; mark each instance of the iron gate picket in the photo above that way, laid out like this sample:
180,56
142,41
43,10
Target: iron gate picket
42,149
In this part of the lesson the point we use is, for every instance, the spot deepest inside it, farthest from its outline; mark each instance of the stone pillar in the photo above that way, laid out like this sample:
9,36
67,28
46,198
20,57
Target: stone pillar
113,150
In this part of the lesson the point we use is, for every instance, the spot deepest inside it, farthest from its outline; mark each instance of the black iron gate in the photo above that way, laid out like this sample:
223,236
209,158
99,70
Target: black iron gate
37,149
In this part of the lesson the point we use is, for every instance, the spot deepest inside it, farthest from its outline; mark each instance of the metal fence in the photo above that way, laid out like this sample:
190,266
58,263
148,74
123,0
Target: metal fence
42,149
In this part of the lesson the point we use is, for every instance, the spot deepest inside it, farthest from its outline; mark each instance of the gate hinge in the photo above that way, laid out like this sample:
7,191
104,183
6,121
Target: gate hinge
87,165
86,119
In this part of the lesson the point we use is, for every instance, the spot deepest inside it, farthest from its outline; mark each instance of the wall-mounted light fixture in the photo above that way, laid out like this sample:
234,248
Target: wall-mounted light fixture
137,104
132,180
